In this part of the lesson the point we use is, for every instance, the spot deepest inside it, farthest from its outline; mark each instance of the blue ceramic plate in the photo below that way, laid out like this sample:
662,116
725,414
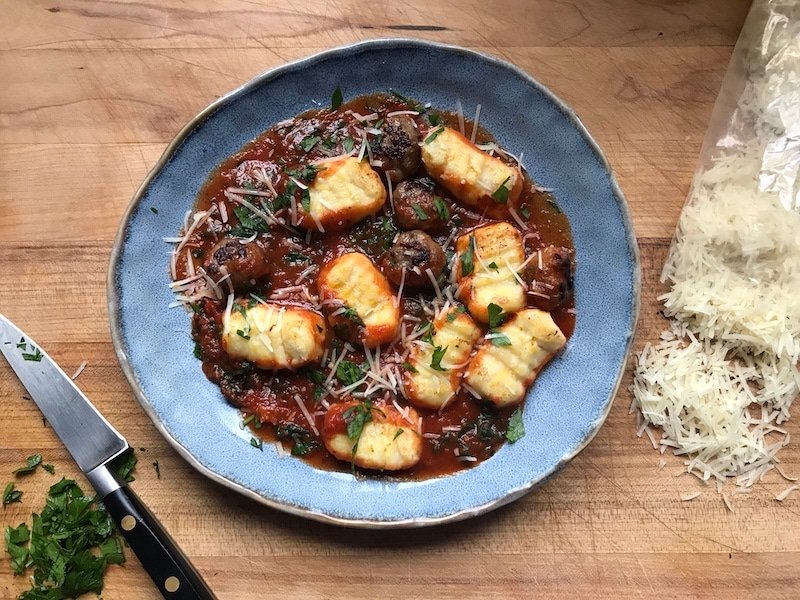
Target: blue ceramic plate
569,401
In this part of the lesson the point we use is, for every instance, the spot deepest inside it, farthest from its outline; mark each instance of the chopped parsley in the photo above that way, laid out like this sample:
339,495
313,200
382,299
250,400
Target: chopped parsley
433,134
302,440
33,354
421,214
348,144
305,200
496,315
525,211
500,339
436,359
296,257
11,494
516,429
257,443
434,118
453,314
154,210
124,465
31,463
468,257
409,367
398,433
241,333
501,193
350,313
493,265
349,372
441,208
198,351
555,206
69,545
249,223
356,417
49,468
308,142
336,98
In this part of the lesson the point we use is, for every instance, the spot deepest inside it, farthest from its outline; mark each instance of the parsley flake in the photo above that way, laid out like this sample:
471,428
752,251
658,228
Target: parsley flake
501,193
409,367
398,433
496,315
307,143
421,214
441,208
11,494
257,443
500,339
348,144
468,257
31,463
336,98
434,134
516,428
436,359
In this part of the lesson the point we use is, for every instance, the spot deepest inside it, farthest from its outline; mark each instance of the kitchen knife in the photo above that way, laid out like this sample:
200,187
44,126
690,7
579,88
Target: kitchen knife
94,443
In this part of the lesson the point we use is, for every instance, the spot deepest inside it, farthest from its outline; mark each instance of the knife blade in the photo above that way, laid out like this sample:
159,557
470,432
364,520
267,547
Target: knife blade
94,443
90,439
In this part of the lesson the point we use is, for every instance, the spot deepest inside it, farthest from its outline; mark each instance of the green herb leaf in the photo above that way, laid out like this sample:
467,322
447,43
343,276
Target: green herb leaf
348,144
11,494
125,465
34,356
356,417
441,209
49,468
302,440
493,265
16,539
31,463
249,223
398,433
336,98
316,376
434,118
154,210
242,334
500,339
198,351
257,443
409,367
305,200
350,313
524,211
468,257
349,372
433,134
555,206
501,193
516,429
296,257
421,214
495,314
436,359
307,143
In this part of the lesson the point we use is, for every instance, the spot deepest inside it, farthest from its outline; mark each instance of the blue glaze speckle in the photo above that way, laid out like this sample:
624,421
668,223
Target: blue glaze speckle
568,402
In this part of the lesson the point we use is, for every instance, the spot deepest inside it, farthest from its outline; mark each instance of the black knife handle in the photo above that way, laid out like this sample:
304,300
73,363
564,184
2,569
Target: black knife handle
160,556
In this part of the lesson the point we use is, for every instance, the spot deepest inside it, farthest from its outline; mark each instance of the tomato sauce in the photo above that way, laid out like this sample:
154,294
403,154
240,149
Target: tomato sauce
467,431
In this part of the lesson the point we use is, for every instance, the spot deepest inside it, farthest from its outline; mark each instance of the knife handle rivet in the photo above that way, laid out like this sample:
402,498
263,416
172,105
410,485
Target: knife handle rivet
128,522
172,584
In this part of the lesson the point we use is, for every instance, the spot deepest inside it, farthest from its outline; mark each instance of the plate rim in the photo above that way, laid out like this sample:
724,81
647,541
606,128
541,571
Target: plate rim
114,307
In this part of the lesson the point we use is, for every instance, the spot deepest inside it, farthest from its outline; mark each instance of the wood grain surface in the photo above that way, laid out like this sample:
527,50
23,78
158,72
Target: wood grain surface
92,91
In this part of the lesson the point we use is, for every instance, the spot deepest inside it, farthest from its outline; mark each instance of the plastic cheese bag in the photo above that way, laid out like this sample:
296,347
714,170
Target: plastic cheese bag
721,381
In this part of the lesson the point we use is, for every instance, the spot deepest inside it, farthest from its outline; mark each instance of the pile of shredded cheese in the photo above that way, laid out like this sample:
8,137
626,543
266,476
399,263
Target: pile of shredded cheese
722,379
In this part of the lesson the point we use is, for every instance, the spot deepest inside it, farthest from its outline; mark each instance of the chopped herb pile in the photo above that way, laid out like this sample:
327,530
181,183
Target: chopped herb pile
125,465
69,545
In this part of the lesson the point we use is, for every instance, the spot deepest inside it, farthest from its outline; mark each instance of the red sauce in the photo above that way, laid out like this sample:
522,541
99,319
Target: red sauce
269,397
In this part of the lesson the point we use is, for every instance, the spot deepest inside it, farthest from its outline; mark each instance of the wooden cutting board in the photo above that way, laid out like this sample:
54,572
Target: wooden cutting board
91,94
